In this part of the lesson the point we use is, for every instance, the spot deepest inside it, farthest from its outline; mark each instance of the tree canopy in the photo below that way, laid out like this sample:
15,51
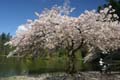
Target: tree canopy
53,30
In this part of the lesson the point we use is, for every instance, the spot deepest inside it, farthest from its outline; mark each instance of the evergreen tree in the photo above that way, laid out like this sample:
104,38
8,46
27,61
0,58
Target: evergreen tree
3,39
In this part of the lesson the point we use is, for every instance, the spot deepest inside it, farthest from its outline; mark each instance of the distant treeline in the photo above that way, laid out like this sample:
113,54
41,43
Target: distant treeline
4,37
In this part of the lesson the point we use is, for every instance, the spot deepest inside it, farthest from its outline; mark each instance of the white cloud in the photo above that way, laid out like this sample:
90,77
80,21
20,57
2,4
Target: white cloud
21,29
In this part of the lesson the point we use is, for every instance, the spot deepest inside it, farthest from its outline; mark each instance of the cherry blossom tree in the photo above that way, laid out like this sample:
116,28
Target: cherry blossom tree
54,30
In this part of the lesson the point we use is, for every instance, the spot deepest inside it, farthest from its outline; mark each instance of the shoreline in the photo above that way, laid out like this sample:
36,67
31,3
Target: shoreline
91,75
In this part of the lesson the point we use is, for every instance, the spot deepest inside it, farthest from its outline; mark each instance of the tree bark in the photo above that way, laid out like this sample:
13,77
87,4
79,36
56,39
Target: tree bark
71,63
71,55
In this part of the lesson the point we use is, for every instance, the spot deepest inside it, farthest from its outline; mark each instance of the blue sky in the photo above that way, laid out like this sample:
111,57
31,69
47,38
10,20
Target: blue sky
16,12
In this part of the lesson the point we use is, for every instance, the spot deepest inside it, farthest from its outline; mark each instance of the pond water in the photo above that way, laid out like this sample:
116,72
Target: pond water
10,66
13,66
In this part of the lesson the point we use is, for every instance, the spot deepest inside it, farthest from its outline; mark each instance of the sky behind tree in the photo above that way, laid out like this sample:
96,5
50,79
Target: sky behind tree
16,12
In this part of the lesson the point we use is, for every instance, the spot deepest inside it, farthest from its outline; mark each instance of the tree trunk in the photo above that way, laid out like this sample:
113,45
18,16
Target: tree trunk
71,63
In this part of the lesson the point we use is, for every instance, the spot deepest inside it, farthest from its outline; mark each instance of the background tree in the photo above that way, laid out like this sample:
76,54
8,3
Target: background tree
115,5
4,50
